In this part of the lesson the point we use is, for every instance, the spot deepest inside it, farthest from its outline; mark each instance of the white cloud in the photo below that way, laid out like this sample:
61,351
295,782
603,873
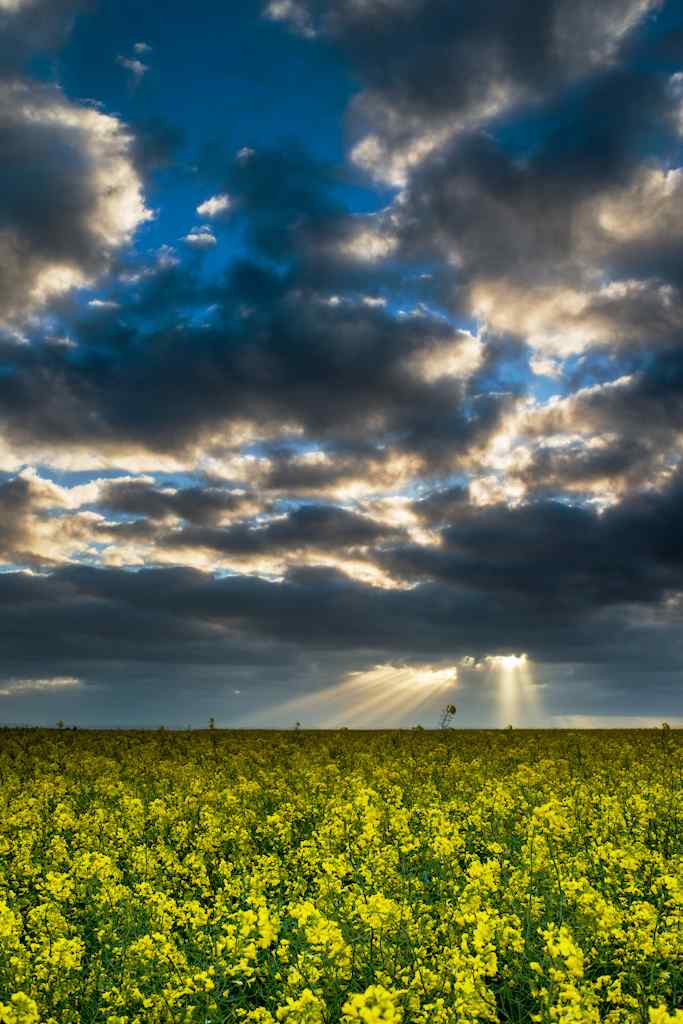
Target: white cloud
294,12
136,67
51,684
142,48
201,237
214,206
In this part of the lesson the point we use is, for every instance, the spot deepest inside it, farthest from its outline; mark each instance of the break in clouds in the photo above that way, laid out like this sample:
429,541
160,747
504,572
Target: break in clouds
275,416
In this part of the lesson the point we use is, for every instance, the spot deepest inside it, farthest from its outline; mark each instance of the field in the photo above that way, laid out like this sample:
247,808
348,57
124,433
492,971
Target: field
302,877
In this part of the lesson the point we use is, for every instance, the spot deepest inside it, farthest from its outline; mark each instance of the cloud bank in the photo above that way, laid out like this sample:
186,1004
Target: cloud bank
312,435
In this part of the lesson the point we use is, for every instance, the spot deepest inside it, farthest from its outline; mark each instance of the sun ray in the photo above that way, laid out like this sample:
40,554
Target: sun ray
378,697
517,702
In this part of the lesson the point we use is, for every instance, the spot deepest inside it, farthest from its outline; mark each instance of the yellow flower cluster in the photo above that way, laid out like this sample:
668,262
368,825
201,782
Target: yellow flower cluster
341,878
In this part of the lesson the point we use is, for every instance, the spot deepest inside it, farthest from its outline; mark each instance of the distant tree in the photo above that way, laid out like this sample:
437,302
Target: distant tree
212,723
447,716
60,724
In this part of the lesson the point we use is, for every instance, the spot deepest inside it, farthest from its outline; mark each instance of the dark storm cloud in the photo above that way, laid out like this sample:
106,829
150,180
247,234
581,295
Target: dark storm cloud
339,371
202,506
61,223
514,211
529,197
321,527
46,216
281,193
575,468
442,505
15,510
289,206
69,192
273,345
426,62
556,559
641,409
343,463
288,473
79,616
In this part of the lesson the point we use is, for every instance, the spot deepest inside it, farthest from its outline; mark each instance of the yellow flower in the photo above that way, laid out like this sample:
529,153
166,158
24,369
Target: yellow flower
660,1015
377,1005
307,1009
20,1010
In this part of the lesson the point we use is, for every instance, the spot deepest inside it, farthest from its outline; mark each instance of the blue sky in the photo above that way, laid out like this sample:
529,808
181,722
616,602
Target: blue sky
340,367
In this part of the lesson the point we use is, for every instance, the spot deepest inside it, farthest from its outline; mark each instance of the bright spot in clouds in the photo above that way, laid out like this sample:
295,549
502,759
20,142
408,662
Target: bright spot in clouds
507,661
369,246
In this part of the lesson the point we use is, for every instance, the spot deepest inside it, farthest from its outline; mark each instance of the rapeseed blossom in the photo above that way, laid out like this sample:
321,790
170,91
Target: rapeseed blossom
341,878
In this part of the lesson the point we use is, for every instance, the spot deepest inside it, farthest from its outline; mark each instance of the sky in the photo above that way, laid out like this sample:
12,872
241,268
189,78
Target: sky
341,362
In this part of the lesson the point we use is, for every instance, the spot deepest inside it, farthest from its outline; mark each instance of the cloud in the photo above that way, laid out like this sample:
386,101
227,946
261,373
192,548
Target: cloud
559,321
111,625
560,194
50,685
215,206
262,374
201,506
201,237
432,69
42,523
33,26
83,200
556,561
292,11
136,68
308,535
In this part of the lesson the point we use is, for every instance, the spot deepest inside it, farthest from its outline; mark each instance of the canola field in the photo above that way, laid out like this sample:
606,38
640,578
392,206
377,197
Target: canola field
315,878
